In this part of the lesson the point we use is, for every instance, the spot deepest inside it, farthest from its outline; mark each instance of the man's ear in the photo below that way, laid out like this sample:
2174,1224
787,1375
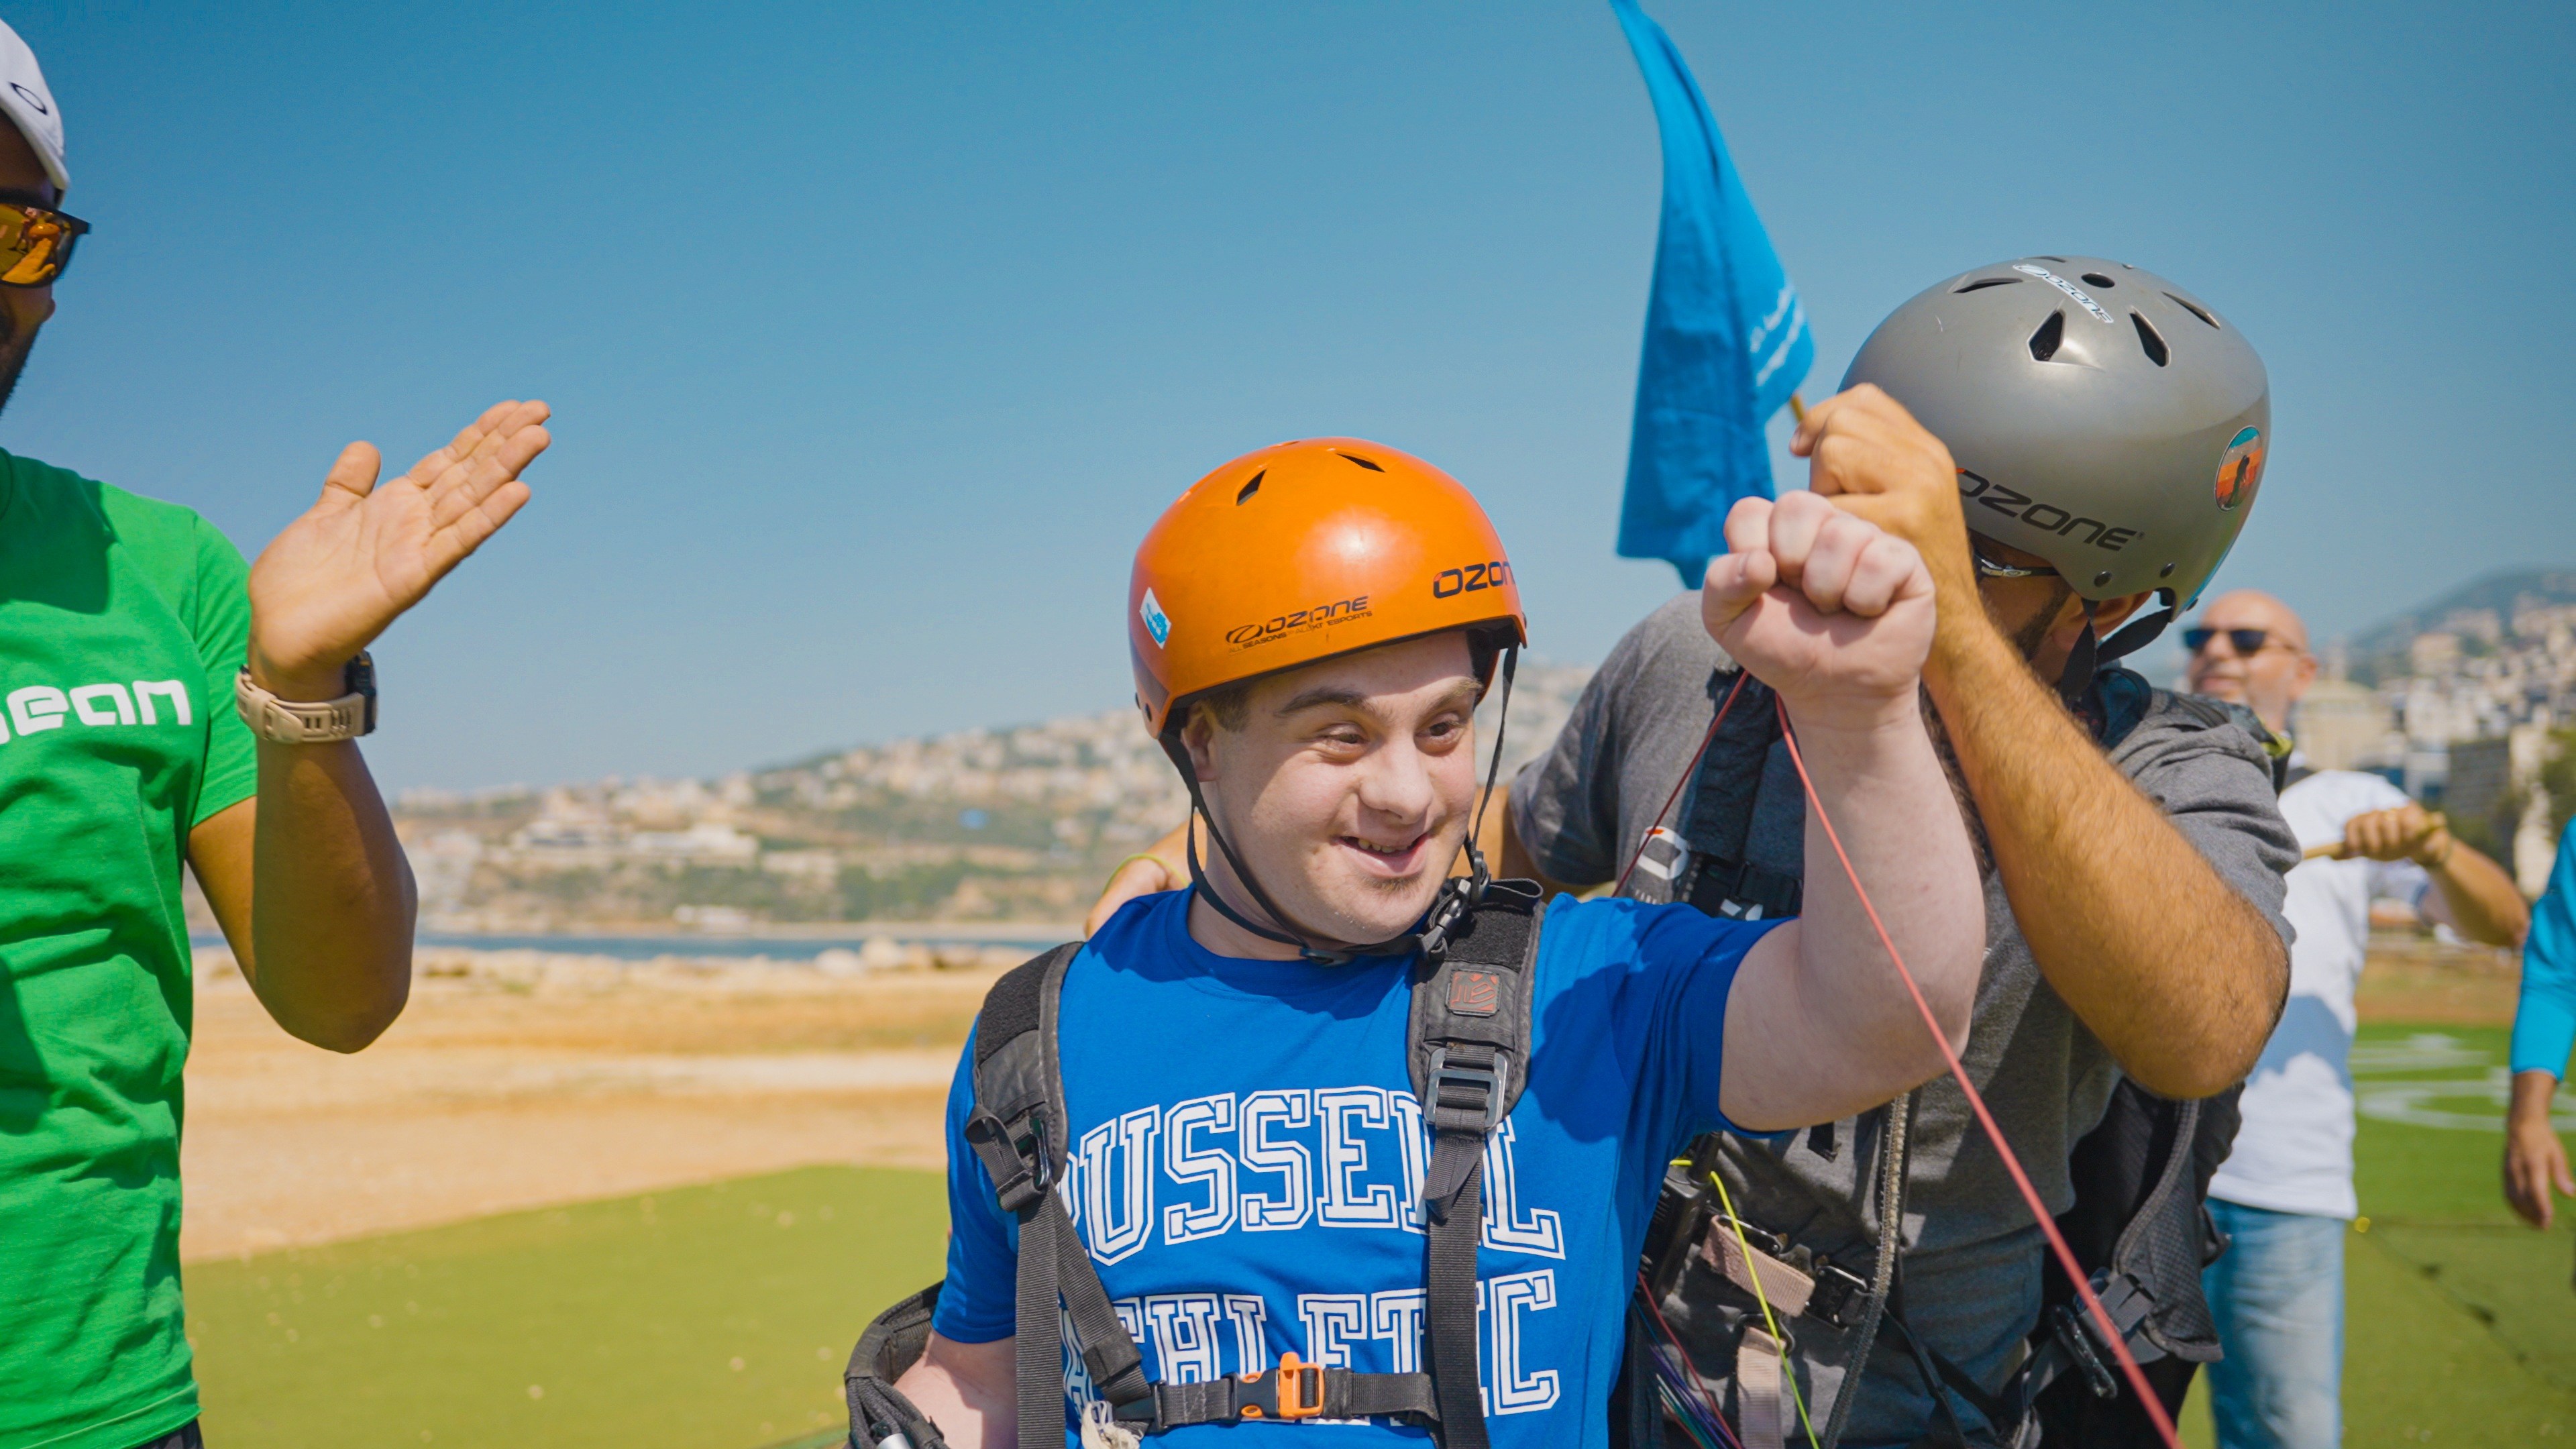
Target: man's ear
2110,614
2303,674
1198,736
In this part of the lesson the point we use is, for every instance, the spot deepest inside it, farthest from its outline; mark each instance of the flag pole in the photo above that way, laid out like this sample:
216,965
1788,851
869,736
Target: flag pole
1797,408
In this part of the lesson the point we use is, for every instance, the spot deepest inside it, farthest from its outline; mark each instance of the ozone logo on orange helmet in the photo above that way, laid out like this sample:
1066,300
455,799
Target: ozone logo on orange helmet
2240,469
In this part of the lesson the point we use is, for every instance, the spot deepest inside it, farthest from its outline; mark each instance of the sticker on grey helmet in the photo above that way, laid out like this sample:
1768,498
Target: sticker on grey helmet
2069,288
2240,469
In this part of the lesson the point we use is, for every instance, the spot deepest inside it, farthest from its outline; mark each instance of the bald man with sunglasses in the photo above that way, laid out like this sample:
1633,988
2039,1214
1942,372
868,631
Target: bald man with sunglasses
160,704
2286,1191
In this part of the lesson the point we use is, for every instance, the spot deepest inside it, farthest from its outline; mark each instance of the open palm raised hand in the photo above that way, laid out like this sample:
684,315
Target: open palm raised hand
367,551
1830,610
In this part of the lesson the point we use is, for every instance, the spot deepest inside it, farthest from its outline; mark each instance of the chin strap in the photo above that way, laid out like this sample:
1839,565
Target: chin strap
2081,660
1456,896
2091,651
2139,633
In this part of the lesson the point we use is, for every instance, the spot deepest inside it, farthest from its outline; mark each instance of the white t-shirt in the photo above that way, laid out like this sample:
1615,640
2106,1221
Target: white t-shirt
2294,1153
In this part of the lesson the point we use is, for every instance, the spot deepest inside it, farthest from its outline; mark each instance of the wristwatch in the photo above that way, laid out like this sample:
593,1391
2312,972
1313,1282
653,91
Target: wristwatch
289,722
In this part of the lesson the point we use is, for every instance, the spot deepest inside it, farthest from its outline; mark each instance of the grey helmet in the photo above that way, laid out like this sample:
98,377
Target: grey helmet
2101,417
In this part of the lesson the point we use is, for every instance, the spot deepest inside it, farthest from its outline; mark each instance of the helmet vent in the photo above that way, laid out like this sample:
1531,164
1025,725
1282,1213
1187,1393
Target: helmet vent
1250,488
2097,279
2194,309
2148,338
2061,261
2044,342
1981,283
1363,462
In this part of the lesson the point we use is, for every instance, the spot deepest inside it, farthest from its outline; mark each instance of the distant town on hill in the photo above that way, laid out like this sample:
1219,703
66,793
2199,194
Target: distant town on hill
1016,824
2465,701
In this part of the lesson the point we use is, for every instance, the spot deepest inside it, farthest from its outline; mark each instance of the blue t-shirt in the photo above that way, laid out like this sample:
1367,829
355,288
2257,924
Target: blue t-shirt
1248,1154
2544,1022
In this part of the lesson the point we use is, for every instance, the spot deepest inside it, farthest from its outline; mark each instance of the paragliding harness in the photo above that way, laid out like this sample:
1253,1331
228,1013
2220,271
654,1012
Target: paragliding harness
1469,1057
1727,1309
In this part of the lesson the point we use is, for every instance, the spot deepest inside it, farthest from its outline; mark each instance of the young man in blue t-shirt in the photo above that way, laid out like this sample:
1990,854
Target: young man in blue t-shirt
1312,627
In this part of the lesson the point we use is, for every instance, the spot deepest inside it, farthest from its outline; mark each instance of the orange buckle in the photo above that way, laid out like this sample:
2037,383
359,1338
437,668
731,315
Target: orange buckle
1291,1391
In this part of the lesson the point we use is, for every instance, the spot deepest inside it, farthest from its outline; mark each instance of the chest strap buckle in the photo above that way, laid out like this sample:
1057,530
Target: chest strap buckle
1293,1390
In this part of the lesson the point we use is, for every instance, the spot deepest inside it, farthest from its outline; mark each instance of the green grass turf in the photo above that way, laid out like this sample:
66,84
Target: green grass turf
713,1317
631,1314
2459,1320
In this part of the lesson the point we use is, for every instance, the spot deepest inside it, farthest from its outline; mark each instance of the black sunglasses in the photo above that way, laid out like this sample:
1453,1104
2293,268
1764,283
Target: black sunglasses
2246,642
36,243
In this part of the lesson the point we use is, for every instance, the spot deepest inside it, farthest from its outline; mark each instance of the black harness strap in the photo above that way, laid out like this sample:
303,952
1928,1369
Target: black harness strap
1470,1059
1288,1392
1017,1130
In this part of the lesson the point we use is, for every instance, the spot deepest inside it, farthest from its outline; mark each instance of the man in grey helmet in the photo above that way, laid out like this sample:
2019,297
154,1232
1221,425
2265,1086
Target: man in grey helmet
2067,441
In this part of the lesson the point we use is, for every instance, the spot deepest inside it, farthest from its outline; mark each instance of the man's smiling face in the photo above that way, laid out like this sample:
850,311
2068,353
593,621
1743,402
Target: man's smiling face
1346,786
23,310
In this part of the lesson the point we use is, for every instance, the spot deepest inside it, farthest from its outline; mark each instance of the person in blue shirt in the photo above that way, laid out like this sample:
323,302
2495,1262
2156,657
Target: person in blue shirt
2544,1032
1312,627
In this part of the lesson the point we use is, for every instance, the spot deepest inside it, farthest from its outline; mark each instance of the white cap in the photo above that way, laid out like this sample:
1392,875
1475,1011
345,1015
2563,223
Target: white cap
31,104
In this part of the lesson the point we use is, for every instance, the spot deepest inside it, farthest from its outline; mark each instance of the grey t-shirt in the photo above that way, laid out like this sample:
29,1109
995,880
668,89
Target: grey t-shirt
1972,1268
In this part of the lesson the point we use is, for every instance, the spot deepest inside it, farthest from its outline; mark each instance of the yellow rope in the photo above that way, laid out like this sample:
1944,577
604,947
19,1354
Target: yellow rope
1788,1370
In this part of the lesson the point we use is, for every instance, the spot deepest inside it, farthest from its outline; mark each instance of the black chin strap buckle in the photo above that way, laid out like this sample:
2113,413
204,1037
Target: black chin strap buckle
1457,898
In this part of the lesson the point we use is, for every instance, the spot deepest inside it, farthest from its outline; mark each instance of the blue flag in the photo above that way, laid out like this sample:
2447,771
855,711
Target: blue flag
1726,337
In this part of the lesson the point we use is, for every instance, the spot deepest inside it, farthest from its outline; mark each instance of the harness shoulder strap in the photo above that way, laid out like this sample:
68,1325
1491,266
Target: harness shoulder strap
1017,1129
1017,1126
1470,1060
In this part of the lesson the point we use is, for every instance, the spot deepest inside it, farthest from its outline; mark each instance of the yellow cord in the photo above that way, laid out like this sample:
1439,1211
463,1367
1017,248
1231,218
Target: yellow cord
1788,1370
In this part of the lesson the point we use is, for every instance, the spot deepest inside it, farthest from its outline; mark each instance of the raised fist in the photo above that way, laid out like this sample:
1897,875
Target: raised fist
1830,610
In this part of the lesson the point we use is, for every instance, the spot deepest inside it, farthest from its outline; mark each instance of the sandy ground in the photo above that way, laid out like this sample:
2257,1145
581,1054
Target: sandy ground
520,1079
516,1079
2418,979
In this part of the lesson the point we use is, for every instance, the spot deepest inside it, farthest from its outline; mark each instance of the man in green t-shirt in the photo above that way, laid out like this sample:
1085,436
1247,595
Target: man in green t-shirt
158,703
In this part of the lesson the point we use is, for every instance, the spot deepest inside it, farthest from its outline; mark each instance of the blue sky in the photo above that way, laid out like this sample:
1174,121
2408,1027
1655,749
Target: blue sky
878,334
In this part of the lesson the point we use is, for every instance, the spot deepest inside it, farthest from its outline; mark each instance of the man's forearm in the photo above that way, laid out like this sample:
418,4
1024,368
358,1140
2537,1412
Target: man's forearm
1891,807
966,1389
2480,898
332,903
2179,975
1835,1032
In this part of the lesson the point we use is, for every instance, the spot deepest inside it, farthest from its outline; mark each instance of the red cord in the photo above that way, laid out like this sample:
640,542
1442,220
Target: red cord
1688,770
2038,1210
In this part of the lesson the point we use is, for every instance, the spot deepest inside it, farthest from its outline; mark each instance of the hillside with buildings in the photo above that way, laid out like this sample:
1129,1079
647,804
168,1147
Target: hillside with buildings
1018,824
2466,702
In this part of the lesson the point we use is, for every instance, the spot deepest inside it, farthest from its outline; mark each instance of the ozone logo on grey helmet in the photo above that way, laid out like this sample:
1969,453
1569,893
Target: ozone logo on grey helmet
2070,289
2097,449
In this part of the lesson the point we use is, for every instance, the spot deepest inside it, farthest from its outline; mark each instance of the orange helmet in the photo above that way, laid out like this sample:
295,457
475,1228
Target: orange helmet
1301,552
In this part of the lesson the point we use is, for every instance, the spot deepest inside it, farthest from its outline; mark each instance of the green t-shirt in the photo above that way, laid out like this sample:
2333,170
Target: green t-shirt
122,621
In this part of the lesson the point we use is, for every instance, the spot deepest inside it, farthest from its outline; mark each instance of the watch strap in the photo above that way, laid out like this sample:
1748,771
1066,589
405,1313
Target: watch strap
295,722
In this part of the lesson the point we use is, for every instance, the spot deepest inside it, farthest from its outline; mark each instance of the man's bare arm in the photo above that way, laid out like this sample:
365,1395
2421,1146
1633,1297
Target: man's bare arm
308,880
966,1389
313,894
2180,976
2472,895
1819,1025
